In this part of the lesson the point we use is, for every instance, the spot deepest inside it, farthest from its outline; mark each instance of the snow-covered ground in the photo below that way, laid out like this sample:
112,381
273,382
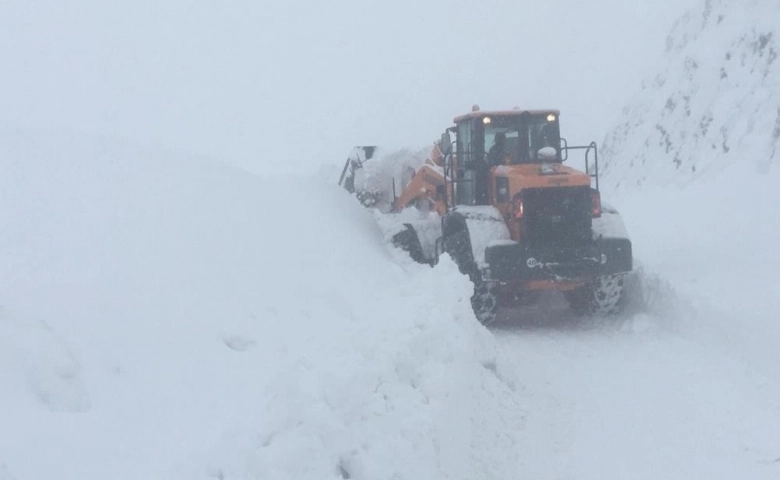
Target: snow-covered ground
689,388
169,318
689,385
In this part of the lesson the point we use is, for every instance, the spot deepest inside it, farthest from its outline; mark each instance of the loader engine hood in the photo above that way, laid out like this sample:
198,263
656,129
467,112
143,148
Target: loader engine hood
545,203
541,175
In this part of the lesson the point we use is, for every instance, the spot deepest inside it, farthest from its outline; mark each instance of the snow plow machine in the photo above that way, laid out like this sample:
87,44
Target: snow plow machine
500,201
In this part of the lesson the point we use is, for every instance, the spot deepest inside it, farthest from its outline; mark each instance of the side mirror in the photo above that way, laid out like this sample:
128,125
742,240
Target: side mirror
441,192
445,145
564,149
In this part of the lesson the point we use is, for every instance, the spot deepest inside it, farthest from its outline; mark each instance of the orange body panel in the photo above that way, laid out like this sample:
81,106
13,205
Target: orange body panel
424,184
429,179
531,176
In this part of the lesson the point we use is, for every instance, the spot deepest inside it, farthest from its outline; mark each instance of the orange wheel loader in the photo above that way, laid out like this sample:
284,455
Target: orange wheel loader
499,200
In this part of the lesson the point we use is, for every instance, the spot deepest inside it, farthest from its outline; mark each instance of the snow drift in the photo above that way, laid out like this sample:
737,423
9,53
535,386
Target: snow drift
165,317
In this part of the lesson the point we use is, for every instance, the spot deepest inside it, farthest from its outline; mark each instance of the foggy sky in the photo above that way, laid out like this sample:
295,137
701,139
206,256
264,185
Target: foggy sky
290,85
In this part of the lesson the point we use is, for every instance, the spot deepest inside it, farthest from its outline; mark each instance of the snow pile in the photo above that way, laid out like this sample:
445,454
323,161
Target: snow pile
166,318
426,225
714,102
386,174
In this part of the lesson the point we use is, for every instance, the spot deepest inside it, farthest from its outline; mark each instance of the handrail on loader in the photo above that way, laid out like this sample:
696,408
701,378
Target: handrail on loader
588,148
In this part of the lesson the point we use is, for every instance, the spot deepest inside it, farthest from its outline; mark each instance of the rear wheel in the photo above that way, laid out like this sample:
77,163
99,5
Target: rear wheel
601,296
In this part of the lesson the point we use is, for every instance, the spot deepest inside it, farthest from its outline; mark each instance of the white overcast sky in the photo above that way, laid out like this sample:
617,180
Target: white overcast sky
289,85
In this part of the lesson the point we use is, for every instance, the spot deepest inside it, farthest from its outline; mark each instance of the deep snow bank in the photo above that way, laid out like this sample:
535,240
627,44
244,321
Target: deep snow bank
715,100
164,317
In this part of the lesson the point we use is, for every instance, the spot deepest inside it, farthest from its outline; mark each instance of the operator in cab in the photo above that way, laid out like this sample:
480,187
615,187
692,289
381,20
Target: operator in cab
497,154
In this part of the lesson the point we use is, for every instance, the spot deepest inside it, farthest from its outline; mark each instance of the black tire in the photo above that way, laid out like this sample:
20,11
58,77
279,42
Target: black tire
485,302
368,199
601,296
457,243
408,241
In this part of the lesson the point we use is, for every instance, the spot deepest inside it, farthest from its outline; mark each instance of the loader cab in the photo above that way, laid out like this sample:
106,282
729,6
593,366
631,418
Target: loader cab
489,139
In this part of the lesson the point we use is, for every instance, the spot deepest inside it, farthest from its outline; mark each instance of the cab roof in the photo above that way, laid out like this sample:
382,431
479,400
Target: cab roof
477,113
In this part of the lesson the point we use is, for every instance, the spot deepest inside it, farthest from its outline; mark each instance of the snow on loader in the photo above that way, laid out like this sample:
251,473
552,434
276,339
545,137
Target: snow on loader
499,200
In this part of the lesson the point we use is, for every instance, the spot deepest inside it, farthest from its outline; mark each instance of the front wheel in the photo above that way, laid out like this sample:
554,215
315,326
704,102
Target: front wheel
485,301
601,296
408,241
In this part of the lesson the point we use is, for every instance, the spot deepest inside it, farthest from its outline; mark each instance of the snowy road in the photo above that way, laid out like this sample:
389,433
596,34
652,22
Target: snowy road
688,389
608,402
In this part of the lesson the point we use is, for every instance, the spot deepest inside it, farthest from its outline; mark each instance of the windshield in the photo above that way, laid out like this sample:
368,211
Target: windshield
542,133
516,140
502,145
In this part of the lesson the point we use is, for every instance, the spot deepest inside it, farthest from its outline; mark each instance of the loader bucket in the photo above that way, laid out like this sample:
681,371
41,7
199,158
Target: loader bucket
355,160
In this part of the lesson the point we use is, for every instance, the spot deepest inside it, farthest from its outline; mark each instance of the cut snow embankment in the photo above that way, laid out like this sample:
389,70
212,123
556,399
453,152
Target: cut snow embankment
168,318
715,101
